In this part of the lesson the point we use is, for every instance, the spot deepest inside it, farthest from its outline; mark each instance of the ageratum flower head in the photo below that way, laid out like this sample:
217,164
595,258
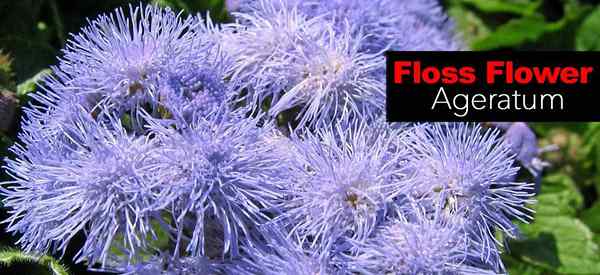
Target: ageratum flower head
99,181
305,66
280,255
198,88
178,266
399,25
100,176
524,145
469,171
143,58
420,243
341,180
49,109
222,174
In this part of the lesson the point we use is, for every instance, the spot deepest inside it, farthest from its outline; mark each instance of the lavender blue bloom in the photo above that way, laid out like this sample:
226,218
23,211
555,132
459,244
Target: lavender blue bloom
74,143
144,58
291,62
122,58
341,181
223,177
177,266
98,180
425,243
524,144
468,171
280,255
389,24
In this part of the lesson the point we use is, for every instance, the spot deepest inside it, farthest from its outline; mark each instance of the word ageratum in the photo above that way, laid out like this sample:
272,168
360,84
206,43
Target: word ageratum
175,145
460,104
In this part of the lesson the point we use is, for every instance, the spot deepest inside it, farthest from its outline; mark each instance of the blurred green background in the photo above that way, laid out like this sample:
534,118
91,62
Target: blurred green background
563,239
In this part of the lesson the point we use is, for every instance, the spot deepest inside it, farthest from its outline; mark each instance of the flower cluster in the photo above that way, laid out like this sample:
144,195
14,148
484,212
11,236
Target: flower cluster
174,145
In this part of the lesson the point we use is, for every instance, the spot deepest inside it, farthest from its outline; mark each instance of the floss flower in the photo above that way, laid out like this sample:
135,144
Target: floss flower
466,170
143,59
99,181
423,244
293,63
388,24
341,181
281,255
122,58
223,176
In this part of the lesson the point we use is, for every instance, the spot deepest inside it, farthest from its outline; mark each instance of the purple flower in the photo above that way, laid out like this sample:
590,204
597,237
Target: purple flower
422,244
97,180
298,64
155,127
280,255
198,88
122,57
79,168
468,171
340,182
524,144
143,59
411,25
222,175
177,266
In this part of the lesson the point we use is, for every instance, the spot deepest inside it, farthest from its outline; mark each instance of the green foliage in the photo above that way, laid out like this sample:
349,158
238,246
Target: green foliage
521,24
591,217
559,196
30,84
6,73
216,8
588,37
12,257
519,267
515,32
561,244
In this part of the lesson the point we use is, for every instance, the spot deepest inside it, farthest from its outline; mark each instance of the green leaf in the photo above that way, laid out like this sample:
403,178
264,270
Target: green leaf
592,150
9,257
559,243
215,7
591,217
515,32
588,37
520,7
559,196
6,73
470,26
29,85
592,141
516,266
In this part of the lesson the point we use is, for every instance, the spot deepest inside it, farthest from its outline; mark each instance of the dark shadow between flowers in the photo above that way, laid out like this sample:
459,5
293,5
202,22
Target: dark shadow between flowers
546,250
